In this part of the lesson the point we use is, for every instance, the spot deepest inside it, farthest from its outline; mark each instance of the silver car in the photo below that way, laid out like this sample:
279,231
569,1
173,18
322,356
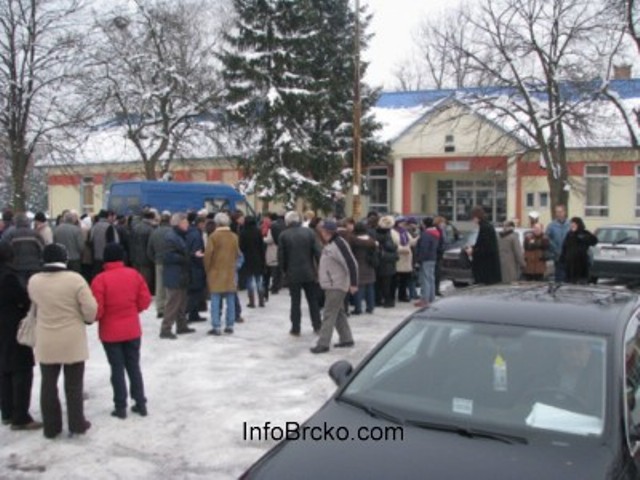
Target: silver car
617,254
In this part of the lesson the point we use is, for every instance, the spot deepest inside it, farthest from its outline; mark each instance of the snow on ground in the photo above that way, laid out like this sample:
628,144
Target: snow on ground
200,390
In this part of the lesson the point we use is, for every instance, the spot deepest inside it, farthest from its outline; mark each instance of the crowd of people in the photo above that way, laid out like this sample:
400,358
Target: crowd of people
83,270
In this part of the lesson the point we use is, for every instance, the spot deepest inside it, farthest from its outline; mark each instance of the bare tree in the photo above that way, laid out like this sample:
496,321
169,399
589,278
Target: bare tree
39,62
544,54
154,69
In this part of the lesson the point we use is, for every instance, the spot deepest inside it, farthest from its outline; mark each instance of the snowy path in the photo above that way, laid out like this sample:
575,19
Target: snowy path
200,390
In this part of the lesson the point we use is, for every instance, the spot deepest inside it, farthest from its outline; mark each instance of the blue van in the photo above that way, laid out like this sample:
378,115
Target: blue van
129,198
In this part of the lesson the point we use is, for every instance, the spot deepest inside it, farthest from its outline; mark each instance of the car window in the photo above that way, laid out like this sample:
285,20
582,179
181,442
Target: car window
531,380
632,380
626,236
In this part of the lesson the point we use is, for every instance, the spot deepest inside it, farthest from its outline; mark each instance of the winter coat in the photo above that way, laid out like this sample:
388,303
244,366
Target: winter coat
337,269
405,252
157,246
121,293
64,304
71,237
535,248
27,247
14,305
220,259
486,257
102,233
365,251
198,280
575,255
427,248
253,248
387,252
511,257
176,271
139,243
271,253
298,254
556,233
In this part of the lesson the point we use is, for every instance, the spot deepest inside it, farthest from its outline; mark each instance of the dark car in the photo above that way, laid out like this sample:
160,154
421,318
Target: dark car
523,381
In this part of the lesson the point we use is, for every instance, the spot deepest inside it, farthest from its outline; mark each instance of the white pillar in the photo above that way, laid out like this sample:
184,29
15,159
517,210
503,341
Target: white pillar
512,189
396,195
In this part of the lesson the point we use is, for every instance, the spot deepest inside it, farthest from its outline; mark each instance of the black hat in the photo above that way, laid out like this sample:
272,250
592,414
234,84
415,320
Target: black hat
40,217
55,253
113,252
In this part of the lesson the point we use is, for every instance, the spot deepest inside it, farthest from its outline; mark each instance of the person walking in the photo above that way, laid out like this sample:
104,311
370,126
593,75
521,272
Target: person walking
427,253
252,247
536,249
484,254
338,276
156,250
122,294
175,273
557,231
69,234
388,256
64,306
365,251
16,361
575,251
510,253
298,255
220,261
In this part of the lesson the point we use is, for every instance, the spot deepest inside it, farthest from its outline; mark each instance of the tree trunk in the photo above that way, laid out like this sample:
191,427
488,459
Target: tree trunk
18,177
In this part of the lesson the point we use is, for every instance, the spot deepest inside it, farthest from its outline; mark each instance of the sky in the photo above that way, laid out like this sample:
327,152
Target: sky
393,25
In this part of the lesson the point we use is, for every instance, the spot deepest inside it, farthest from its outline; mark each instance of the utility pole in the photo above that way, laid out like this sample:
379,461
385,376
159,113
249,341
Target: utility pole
357,114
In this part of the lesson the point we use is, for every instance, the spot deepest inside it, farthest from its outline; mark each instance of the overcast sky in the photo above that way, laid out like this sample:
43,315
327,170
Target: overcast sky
393,24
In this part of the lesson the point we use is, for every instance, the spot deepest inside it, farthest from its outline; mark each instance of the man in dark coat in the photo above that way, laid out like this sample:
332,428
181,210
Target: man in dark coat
252,247
298,255
575,251
484,255
16,361
140,241
176,273
27,247
198,283
155,251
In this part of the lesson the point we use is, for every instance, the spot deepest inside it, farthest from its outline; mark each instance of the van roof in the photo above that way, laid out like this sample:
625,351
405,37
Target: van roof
189,187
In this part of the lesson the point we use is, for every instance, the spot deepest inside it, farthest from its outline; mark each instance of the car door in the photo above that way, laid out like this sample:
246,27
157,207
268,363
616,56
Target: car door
632,394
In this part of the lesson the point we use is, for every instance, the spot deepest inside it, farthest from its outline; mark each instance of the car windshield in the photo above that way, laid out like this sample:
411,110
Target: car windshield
619,235
494,377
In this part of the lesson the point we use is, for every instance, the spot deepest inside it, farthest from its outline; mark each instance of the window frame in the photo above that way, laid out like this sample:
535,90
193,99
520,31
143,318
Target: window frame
603,209
375,174
87,181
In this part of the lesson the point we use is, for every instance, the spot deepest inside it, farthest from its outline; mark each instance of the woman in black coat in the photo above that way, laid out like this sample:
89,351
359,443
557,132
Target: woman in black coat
253,248
16,361
575,251
485,255
388,256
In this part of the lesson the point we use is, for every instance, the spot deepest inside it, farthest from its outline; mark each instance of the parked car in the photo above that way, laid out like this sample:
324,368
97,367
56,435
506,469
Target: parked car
460,273
617,254
518,381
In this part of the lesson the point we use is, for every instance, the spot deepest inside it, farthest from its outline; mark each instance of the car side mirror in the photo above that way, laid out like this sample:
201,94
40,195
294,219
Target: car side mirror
340,371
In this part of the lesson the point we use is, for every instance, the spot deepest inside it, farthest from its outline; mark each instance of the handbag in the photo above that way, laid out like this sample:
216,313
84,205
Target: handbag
27,328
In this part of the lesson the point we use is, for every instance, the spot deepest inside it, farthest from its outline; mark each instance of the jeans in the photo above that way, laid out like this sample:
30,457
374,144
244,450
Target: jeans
428,281
125,356
254,283
230,300
368,293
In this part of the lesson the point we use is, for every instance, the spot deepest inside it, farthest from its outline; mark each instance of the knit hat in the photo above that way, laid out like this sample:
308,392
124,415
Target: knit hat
55,253
113,252
386,222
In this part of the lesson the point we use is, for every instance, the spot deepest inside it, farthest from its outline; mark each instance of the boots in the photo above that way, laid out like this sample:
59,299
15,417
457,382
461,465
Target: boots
261,299
252,300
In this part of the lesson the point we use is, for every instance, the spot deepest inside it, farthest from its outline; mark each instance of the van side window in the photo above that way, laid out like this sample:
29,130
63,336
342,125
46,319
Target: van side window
632,382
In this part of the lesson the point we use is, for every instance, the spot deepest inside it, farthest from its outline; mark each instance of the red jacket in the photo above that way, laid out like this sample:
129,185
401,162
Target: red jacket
122,294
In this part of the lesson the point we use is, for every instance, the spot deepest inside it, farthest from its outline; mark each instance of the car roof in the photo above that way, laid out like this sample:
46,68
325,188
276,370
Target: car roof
628,225
595,309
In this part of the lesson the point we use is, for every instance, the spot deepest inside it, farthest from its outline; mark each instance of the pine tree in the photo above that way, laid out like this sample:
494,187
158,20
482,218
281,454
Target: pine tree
289,76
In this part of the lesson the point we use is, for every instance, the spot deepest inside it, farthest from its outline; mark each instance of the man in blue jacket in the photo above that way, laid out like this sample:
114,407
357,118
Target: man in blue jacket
557,231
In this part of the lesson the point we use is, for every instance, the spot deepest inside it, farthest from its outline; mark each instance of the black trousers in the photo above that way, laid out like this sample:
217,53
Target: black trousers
15,396
384,293
438,273
125,356
194,303
400,284
311,294
50,402
276,273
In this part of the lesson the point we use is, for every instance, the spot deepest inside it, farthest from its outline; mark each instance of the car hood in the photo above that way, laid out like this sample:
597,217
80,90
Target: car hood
424,454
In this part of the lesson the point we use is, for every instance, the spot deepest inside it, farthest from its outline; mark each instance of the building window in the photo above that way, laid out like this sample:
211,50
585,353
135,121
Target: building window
530,200
638,191
457,198
86,195
597,194
378,180
449,145
544,199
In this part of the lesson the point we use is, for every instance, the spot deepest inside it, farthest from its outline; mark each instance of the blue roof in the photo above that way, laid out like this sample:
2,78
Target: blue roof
624,88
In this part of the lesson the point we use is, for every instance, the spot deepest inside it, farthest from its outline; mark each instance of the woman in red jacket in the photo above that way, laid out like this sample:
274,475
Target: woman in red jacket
122,293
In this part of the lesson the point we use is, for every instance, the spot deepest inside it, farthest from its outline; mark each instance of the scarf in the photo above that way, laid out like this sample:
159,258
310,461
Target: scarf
404,236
